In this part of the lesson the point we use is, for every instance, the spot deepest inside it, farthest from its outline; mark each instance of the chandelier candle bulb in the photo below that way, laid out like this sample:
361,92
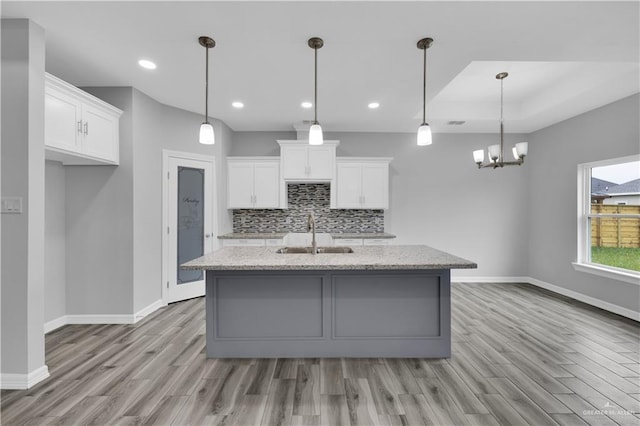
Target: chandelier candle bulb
494,152
522,149
478,156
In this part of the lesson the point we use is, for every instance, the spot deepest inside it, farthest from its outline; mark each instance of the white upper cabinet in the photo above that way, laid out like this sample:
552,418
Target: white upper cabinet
80,129
301,162
362,183
253,182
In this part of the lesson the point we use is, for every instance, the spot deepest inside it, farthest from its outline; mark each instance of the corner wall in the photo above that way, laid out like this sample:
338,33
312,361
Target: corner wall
22,321
554,154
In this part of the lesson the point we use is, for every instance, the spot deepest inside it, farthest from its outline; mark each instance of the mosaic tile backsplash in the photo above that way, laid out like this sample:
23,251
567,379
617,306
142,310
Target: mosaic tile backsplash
305,198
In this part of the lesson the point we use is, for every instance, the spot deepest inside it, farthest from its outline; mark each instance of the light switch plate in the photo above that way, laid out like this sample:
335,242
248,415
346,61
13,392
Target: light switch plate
11,204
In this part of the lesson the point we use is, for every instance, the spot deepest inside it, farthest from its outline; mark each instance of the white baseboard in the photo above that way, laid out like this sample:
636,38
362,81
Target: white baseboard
102,319
23,381
148,310
463,279
54,324
627,313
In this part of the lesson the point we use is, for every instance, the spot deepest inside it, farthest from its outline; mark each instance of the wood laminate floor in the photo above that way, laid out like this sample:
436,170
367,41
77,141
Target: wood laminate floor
521,356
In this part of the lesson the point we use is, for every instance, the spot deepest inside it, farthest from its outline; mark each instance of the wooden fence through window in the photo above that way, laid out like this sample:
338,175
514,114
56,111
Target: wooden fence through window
615,232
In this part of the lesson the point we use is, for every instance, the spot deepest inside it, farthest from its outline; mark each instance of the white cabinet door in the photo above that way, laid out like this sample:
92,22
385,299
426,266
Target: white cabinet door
294,162
347,242
266,184
80,129
62,120
100,134
239,185
375,186
321,160
377,241
349,185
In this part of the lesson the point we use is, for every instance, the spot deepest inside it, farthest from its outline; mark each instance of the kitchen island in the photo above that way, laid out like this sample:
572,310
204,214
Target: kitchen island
379,301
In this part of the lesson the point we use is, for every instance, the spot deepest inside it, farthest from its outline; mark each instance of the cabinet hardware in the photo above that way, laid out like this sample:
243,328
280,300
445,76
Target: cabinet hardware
86,128
80,127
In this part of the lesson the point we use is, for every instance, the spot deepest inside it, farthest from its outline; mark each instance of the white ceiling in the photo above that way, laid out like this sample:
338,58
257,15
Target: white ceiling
564,58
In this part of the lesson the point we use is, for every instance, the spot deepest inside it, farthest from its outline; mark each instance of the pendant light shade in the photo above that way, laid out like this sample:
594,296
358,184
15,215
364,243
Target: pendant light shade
315,135
424,135
207,137
424,131
315,131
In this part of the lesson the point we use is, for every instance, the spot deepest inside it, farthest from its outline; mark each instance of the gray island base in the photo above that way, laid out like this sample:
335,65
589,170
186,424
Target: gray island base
389,301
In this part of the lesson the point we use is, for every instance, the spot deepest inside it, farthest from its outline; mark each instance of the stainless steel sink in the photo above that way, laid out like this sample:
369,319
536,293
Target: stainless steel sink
309,250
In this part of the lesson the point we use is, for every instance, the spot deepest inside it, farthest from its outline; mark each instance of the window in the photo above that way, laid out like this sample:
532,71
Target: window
609,218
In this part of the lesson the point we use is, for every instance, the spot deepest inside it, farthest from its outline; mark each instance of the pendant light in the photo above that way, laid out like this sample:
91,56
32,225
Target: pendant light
424,131
315,131
207,137
496,152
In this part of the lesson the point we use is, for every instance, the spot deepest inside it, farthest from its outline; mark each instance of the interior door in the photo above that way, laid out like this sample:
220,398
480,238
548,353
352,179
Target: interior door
189,224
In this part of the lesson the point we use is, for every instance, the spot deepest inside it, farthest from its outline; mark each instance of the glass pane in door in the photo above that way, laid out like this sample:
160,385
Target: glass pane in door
190,221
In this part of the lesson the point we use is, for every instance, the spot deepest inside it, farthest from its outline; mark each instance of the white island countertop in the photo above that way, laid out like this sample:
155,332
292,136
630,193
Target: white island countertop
362,258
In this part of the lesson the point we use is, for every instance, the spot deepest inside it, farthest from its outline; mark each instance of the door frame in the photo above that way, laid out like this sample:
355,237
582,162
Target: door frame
166,155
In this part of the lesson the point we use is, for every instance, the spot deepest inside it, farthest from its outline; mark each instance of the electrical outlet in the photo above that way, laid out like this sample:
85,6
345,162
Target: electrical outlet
11,205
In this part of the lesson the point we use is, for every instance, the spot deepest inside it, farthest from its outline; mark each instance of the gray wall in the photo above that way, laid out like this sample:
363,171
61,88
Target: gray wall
22,321
55,239
554,154
159,127
438,196
100,225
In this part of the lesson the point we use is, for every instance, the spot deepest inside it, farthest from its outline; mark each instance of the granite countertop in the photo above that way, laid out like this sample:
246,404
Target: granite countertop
252,235
365,235
363,258
265,235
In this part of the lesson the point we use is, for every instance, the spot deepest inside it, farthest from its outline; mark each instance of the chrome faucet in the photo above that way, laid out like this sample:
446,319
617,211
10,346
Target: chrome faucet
311,226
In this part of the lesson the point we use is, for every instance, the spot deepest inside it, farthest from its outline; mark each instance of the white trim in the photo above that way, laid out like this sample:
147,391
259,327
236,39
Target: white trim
628,313
23,381
54,324
166,156
463,279
148,310
611,273
101,319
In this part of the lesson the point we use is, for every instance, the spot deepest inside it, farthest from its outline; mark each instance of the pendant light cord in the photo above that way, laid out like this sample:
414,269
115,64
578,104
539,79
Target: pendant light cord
501,120
315,86
206,87
424,87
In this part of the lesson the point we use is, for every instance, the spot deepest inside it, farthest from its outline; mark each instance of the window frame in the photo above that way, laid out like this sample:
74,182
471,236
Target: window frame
583,262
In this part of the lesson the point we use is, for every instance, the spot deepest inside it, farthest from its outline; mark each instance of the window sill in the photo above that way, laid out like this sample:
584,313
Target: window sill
603,271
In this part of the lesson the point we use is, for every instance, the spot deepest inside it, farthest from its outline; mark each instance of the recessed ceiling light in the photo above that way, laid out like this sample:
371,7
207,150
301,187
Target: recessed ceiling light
373,105
306,105
237,104
145,63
